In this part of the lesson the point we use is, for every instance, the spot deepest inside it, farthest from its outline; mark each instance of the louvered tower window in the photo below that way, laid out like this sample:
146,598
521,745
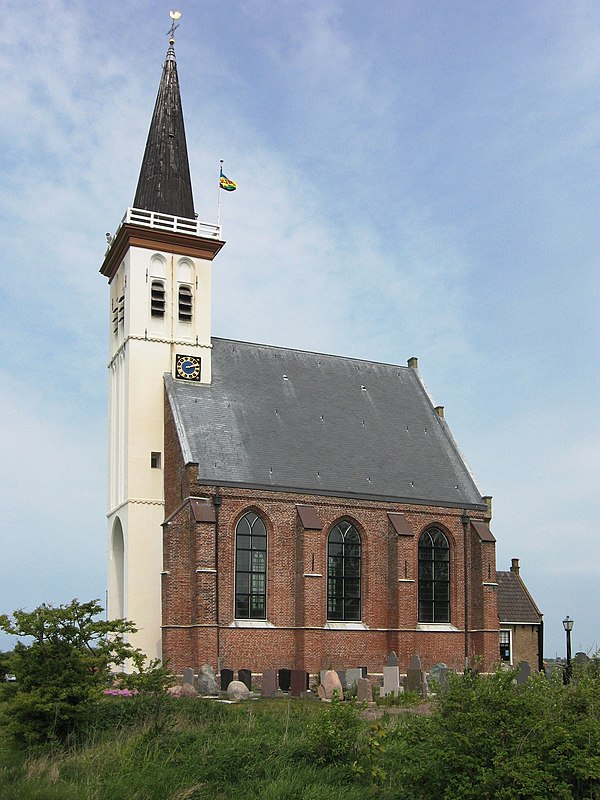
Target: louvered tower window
157,299
185,304
118,312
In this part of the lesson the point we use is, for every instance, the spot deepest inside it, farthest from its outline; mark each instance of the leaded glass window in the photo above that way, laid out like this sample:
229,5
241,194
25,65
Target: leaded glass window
343,573
251,568
434,577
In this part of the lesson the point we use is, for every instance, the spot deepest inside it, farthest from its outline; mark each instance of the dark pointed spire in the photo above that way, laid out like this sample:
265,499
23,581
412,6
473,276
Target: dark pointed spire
164,184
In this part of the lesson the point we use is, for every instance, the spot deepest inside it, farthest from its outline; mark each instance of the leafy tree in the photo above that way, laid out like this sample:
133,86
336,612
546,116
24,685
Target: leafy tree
69,661
5,668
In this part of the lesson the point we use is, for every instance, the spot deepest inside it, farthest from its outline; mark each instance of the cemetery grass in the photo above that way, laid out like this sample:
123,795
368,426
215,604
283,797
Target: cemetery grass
488,738
189,749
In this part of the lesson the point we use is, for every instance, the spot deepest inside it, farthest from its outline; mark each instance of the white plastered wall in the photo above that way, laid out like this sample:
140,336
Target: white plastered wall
141,351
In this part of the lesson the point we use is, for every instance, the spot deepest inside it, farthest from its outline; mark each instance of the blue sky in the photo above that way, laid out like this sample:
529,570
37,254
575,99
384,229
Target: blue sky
415,178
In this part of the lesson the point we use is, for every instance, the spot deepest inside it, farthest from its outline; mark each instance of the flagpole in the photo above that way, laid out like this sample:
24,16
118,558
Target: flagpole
219,199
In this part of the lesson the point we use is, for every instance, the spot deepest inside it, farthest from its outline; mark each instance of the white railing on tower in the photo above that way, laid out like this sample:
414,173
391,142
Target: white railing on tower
167,222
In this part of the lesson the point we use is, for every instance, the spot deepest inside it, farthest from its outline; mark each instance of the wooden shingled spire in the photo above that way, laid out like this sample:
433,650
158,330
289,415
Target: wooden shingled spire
164,184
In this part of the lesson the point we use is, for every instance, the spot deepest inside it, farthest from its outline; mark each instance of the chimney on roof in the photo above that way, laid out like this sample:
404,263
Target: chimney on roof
487,499
413,362
439,410
514,566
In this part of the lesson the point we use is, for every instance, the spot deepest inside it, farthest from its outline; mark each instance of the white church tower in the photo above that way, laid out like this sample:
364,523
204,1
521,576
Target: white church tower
158,266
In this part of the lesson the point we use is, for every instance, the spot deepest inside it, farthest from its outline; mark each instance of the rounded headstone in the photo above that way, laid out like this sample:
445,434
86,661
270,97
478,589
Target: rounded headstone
330,683
238,691
187,690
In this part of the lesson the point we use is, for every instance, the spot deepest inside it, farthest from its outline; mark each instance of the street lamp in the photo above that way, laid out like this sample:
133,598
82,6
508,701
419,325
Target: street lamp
568,626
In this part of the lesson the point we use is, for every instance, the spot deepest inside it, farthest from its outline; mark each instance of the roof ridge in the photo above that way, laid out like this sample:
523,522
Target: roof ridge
312,352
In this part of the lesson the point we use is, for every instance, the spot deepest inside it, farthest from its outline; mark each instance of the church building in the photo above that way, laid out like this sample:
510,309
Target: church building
271,507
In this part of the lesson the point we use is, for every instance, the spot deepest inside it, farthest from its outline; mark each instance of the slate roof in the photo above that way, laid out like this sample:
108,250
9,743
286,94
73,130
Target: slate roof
301,421
515,604
164,184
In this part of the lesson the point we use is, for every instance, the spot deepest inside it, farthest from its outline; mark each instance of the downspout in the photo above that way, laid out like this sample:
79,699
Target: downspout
217,500
465,523
541,646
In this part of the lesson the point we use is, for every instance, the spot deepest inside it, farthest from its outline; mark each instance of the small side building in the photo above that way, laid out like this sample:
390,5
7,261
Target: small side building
521,621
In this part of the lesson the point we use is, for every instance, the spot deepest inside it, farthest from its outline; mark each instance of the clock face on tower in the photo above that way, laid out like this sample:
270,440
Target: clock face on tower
187,368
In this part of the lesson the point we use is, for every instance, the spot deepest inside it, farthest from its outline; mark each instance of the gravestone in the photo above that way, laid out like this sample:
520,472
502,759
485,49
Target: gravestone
298,682
284,676
238,691
415,677
342,676
207,682
330,683
364,691
226,678
391,680
524,672
269,682
392,659
188,675
439,674
187,690
415,662
245,676
352,677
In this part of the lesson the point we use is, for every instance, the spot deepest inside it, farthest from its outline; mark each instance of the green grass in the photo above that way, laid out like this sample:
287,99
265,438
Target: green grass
488,738
188,750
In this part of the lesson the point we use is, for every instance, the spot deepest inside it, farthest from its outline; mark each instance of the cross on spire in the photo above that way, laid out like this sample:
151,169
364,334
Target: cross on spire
175,15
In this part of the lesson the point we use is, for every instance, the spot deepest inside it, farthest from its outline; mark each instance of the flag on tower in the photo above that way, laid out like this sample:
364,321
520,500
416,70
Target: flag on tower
226,184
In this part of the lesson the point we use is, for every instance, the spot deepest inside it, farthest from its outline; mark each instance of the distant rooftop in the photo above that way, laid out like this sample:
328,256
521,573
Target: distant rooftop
515,604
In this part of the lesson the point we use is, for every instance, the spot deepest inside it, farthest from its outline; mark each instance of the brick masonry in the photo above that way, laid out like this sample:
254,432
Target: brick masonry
199,570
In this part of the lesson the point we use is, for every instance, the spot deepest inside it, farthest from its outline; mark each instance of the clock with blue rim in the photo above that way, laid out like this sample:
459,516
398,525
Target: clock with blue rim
187,368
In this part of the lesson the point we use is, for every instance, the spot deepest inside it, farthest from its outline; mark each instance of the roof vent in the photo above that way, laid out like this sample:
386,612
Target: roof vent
364,388
439,410
285,378
413,362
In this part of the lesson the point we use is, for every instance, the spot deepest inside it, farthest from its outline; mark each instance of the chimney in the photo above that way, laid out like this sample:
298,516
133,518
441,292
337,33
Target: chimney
487,499
514,566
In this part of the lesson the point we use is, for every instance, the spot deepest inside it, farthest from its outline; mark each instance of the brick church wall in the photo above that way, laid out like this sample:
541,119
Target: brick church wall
297,582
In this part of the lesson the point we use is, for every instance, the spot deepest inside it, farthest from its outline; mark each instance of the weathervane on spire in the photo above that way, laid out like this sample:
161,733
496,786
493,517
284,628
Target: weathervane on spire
175,15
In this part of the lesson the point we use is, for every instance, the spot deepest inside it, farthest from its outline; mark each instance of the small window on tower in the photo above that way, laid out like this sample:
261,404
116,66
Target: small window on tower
185,304
157,299
155,460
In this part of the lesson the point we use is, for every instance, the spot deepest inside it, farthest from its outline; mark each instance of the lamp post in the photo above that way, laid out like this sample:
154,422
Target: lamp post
568,626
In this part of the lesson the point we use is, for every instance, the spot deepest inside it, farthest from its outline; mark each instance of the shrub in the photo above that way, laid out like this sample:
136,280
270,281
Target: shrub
492,738
333,734
66,665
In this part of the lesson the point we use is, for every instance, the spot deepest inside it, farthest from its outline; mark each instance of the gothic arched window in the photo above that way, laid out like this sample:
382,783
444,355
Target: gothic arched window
250,568
434,577
343,573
